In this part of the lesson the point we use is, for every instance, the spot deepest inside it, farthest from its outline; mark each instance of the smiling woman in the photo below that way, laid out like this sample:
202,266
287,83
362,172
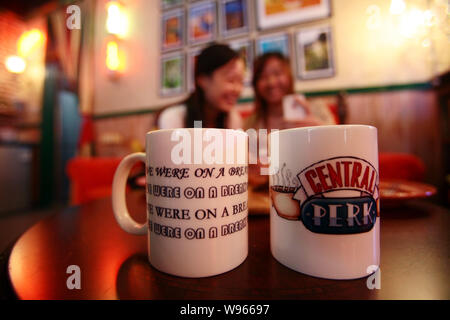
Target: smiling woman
219,76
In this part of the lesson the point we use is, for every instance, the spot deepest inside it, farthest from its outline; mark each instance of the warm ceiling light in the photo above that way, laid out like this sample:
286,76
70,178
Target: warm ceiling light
397,6
411,22
116,21
429,18
114,58
15,64
30,40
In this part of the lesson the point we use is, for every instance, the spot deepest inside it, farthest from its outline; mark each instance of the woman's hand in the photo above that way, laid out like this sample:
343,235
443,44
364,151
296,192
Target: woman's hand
308,121
301,101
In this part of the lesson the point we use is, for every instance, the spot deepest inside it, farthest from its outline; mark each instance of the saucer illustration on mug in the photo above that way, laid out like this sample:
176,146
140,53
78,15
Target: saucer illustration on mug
334,196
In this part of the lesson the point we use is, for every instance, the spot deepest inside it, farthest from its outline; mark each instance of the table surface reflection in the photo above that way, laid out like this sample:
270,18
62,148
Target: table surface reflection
114,265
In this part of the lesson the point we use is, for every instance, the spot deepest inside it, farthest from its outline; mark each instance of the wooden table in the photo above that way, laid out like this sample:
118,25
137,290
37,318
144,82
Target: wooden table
114,265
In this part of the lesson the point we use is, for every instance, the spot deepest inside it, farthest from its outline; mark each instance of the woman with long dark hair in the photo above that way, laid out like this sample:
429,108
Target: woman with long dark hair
272,81
218,74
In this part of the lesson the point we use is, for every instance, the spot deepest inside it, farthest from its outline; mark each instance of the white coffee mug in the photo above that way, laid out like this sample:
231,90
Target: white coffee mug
196,200
324,215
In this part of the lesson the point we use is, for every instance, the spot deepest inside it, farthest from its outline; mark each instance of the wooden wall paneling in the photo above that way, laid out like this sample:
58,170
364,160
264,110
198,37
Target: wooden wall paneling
407,121
114,136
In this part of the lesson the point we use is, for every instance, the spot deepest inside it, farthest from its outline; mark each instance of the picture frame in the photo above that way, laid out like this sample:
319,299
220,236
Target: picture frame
172,74
233,18
277,13
314,53
202,22
274,42
172,30
169,4
244,47
191,60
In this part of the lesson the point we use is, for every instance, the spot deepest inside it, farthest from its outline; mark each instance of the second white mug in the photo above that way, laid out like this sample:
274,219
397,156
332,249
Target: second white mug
324,215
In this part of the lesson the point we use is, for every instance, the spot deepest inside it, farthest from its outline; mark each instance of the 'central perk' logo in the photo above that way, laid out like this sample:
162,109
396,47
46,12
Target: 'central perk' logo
335,196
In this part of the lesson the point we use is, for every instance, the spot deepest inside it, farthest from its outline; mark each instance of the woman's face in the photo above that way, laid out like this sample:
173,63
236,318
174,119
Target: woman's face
223,87
274,82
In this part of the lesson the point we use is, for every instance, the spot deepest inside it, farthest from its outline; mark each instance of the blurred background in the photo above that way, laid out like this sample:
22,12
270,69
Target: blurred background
81,82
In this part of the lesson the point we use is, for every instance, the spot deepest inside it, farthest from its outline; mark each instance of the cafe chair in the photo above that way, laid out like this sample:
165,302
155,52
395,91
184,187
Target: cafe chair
90,178
403,166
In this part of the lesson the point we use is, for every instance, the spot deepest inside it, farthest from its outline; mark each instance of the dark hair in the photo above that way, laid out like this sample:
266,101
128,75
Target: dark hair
209,60
258,68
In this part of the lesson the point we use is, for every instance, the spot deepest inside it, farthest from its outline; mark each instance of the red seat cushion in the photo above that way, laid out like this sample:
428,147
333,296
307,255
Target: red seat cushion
91,178
401,166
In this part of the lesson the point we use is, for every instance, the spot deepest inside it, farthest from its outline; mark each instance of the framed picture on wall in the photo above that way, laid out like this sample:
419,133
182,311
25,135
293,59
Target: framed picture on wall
172,30
276,13
201,22
245,49
273,43
172,74
314,53
168,4
191,61
233,17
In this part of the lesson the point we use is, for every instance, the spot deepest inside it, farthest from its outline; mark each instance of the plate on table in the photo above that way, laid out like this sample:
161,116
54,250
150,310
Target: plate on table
393,191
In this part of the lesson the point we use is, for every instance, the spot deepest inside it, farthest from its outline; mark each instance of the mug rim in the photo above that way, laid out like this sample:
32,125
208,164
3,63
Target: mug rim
190,129
331,126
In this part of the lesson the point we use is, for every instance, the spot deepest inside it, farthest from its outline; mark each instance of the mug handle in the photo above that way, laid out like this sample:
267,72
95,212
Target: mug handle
119,203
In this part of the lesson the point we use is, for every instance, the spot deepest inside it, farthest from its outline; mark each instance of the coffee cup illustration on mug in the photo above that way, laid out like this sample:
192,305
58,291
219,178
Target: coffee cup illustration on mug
325,200
281,194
